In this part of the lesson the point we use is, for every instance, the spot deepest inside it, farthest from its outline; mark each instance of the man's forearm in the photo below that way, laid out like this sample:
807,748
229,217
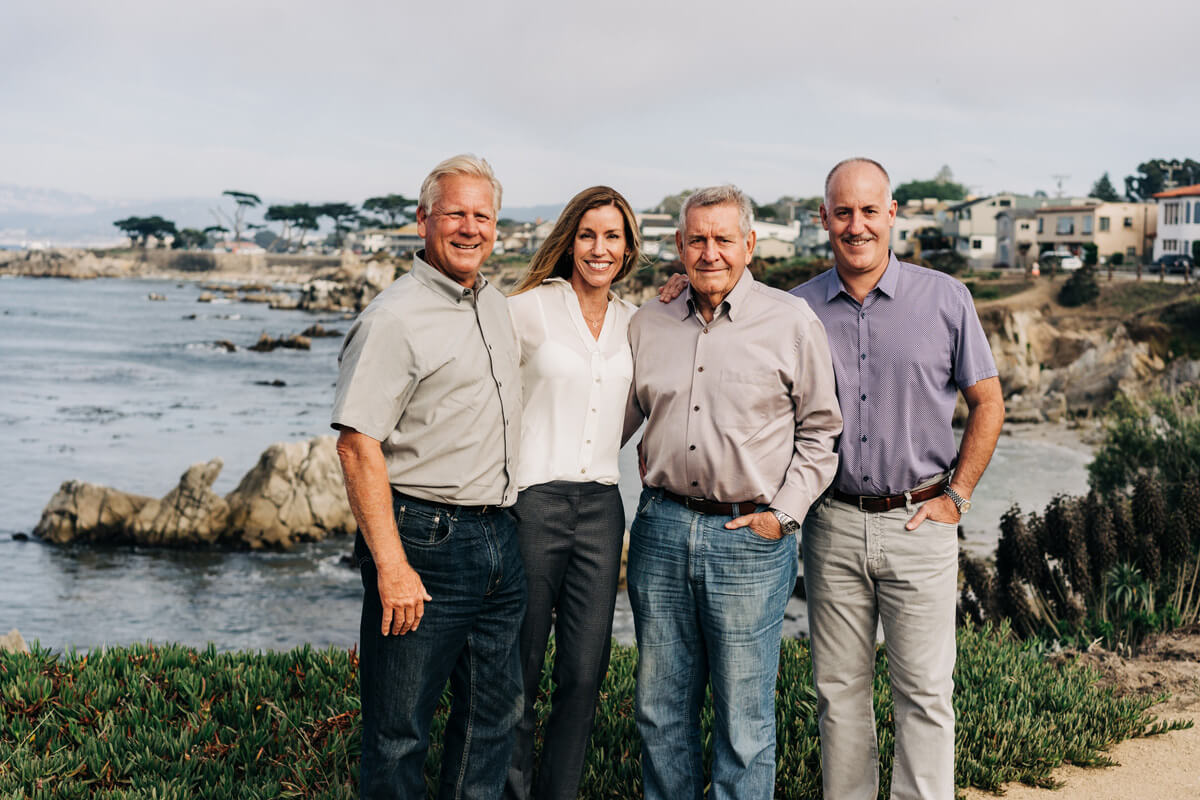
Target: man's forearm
984,421
370,495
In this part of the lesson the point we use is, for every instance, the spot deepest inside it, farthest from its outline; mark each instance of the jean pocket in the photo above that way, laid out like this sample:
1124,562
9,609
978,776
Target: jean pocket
423,528
644,502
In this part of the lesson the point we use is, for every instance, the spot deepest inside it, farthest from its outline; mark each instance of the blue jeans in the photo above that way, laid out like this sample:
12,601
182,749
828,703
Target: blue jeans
471,566
708,605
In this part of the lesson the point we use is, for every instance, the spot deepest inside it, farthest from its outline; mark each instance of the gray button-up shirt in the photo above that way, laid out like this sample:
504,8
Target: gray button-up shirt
430,370
901,358
741,408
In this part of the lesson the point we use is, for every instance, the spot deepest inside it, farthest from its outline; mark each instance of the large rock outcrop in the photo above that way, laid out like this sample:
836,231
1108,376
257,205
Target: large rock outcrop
354,286
1048,370
294,493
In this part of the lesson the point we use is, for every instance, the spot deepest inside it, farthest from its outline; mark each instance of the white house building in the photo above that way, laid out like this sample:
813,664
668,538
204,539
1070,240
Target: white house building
971,224
1178,220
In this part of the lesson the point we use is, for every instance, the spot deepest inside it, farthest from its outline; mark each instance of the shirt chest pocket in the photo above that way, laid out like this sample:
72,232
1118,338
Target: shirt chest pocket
748,400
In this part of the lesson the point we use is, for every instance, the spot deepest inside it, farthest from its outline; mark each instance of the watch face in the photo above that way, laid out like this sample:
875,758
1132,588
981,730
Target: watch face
965,507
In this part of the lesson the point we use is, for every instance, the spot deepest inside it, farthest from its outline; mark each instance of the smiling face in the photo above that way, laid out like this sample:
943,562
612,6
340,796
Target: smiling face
859,213
714,252
599,247
460,229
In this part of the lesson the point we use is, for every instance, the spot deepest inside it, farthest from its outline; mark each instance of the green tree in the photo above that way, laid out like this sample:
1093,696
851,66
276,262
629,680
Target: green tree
1104,189
393,206
1080,288
919,190
1152,176
189,239
297,218
243,201
342,215
672,203
140,229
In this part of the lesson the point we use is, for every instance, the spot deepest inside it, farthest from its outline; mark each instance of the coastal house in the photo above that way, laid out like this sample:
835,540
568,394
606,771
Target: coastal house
1178,220
1114,227
401,241
971,225
904,232
1016,237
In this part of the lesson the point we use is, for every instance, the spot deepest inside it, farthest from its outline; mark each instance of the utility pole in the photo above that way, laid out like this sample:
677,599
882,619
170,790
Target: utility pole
1060,179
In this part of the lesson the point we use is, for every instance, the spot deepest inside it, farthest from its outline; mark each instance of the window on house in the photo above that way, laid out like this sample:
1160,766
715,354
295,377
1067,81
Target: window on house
1041,220
976,244
1103,224
1187,214
1005,203
1066,225
1196,212
1128,222
1169,245
1171,214
903,235
1087,224
1131,251
1024,226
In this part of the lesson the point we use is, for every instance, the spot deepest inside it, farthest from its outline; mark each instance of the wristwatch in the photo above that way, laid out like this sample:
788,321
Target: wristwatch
961,503
786,523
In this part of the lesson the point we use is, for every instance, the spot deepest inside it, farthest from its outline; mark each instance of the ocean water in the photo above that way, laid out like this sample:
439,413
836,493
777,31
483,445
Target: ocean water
99,383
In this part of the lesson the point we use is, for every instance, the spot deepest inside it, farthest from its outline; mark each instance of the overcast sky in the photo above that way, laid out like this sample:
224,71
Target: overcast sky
324,101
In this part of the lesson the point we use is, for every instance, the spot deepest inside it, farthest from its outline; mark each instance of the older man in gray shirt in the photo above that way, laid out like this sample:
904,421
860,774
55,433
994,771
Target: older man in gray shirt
428,404
882,545
735,382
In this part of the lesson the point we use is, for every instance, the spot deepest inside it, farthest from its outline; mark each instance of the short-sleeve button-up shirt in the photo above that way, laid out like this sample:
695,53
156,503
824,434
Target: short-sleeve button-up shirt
901,357
430,370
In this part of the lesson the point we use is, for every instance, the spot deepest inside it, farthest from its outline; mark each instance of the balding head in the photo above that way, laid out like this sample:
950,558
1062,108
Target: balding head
859,160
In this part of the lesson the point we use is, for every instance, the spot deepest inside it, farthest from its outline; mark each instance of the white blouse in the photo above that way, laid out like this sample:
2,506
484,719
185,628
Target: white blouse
575,387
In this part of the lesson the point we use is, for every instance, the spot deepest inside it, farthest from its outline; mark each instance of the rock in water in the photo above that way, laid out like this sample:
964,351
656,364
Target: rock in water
294,493
191,513
13,642
87,512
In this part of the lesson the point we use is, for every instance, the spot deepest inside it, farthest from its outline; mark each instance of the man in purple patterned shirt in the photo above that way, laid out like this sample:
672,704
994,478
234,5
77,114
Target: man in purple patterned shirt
882,544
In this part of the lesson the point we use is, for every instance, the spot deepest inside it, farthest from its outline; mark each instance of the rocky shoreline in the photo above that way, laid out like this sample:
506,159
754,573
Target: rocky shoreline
293,494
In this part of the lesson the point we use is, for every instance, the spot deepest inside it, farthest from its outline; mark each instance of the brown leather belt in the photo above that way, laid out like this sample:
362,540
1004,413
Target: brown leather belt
877,503
703,506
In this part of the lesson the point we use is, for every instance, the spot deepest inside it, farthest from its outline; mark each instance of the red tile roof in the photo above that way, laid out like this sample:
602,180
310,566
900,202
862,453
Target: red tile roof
1180,191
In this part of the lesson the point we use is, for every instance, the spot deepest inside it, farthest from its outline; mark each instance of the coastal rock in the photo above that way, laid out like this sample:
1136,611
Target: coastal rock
189,514
317,331
81,511
1117,364
295,341
294,493
350,289
13,642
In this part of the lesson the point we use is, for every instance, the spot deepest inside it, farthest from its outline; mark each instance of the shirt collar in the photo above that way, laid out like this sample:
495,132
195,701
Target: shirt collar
887,282
440,283
733,302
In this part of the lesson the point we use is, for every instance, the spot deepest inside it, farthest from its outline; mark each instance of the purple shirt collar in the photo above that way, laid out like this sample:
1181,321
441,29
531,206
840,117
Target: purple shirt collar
887,284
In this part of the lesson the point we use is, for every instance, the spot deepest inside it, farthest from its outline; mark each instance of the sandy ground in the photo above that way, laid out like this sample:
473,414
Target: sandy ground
1163,767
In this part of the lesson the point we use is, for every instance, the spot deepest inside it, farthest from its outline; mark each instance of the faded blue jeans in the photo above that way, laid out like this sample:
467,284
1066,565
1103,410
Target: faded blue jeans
471,565
708,605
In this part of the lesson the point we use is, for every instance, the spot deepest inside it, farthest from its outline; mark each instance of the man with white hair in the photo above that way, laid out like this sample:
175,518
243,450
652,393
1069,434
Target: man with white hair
882,545
735,383
428,406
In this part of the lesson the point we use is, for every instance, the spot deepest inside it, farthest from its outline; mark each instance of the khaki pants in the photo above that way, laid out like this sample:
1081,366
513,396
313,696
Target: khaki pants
861,569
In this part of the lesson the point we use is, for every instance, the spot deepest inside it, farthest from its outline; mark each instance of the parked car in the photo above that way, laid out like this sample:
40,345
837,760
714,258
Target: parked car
1066,260
1174,264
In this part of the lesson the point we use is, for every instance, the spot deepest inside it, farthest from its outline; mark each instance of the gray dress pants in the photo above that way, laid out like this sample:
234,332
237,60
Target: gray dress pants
570,536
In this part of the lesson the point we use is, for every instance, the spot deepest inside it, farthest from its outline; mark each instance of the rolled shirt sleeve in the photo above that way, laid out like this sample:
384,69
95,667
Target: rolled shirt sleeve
377,375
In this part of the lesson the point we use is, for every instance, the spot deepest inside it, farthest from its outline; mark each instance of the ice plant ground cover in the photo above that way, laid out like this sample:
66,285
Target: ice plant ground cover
170,721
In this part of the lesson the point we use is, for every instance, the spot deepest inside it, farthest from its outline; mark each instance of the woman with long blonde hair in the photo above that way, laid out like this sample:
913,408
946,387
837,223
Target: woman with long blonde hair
576,369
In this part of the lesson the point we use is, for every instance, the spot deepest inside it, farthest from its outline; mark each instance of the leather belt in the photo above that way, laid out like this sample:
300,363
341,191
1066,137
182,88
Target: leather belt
878,503
703,506
452,510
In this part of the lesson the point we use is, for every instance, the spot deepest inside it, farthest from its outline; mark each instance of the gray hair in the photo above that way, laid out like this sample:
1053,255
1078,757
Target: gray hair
858,160
717,196
465,164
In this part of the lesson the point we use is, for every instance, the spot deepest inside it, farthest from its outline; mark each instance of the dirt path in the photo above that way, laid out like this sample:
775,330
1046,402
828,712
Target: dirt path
1164,767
